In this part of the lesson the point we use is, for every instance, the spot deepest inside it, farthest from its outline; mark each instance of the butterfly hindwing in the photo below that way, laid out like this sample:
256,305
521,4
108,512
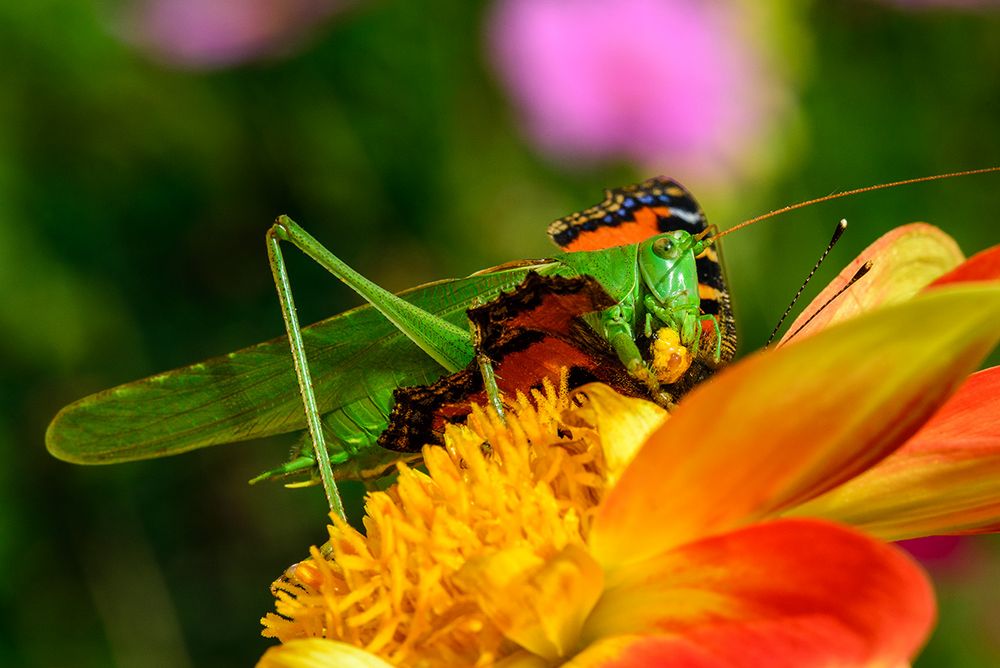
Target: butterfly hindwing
630,214
633,213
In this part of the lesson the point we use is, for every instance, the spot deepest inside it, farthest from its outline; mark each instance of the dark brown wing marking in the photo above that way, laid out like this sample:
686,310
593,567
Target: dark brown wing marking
531,334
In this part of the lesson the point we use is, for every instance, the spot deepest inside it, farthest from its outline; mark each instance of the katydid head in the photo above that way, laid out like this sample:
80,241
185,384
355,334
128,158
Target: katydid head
664,259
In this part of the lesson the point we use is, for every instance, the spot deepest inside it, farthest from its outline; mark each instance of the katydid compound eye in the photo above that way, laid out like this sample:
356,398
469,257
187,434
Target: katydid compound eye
662,247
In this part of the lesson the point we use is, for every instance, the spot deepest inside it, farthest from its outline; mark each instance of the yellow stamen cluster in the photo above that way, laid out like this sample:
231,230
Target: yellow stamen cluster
398,592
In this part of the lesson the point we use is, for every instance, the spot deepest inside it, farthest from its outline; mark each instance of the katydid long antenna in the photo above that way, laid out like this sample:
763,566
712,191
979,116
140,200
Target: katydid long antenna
847,193
711,239
837,231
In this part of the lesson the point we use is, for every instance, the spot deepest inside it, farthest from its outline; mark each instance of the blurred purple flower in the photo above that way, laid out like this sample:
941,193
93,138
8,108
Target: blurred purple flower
944,554
670,84
206,34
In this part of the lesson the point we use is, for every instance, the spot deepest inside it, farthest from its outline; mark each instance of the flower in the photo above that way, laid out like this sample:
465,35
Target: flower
609,534
673,85
221,33
945,479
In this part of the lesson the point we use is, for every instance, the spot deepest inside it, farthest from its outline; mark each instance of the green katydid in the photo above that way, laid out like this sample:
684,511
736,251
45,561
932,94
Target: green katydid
647,250
357,359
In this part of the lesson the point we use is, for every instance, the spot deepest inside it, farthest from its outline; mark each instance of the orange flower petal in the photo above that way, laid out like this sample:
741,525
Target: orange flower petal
319,653
983,266
946,479
785,425
785,593
904,261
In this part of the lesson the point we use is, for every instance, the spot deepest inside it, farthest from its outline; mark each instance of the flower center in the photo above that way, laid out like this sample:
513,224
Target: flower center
502,513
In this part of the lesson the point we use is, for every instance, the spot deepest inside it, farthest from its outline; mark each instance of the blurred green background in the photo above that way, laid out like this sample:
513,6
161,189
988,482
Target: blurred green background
145,148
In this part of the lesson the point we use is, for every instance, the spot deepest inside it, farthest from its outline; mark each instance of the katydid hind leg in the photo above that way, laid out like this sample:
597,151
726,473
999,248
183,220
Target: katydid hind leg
284,287
447,344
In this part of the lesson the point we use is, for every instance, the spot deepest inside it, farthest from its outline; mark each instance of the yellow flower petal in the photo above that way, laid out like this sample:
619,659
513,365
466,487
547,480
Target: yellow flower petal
786,425
608,652
621,423
319,653
904,261
522,659
541,604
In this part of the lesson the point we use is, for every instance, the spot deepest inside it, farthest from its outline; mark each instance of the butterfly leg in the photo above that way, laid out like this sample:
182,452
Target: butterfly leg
486,367
490,384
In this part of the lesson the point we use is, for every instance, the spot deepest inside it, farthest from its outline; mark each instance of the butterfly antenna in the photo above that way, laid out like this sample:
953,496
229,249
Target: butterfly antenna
856,191
837,231
862,270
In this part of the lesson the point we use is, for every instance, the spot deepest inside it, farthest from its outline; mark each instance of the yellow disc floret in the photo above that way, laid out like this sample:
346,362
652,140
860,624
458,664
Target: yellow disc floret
522,491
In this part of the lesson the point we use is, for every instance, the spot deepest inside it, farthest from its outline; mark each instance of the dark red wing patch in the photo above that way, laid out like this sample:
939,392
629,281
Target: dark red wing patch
628,215
531,334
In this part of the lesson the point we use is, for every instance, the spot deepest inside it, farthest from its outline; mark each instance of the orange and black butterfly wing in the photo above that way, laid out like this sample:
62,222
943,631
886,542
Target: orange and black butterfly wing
532,334
629,215
636,212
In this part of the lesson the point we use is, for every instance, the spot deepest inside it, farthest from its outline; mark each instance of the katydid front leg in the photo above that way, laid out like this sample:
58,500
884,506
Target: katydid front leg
618,332
447,344
687,323
718,335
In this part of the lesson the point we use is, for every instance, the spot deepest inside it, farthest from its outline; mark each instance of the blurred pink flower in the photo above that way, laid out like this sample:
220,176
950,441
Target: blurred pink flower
672,84
206,34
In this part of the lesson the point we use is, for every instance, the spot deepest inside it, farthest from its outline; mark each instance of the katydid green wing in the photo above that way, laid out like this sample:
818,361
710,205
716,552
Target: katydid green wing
357,359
